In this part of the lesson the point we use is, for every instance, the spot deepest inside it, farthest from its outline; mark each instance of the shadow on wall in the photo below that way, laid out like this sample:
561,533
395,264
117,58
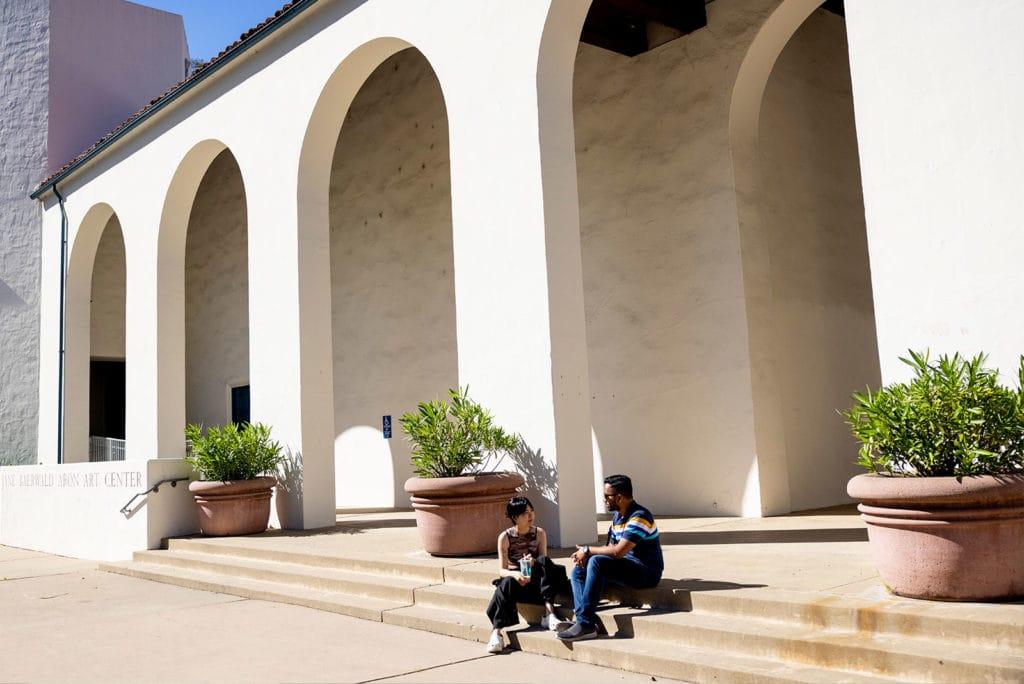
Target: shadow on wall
541,476
10,298
288,497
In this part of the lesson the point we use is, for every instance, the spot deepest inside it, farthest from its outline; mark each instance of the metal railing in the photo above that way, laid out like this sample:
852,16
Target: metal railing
127,511
106,449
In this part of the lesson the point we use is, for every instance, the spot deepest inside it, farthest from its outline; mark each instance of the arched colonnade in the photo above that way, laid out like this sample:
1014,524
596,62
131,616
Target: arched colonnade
520,313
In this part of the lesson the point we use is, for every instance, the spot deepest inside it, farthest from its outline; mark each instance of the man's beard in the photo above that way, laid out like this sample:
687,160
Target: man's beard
610,507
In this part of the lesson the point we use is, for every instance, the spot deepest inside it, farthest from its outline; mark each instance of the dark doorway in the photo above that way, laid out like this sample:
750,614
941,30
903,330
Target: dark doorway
106,399
240,404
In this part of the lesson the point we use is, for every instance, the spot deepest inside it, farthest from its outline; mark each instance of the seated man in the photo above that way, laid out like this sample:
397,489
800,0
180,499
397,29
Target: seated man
632,557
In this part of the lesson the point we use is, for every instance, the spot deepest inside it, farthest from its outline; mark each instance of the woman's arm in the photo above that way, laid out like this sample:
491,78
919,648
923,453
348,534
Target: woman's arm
542,542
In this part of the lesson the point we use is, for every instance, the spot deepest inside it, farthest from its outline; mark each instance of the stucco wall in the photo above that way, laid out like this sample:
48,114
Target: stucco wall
813,211
662,272
216,294
666,324
940,150
107,59
108,295
391,274
24,36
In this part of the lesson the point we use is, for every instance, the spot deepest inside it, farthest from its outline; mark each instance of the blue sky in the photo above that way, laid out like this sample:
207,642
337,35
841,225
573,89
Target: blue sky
211,25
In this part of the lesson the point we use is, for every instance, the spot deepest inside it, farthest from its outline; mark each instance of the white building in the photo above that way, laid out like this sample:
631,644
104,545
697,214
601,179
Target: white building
676,262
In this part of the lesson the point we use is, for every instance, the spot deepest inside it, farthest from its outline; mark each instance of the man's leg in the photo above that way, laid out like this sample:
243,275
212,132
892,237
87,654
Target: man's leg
631,573
587,585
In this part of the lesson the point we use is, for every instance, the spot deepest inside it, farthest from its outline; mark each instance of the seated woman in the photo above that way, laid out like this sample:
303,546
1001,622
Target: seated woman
523,541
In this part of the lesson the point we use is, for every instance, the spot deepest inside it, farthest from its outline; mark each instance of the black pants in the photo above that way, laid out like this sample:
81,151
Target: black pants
547,579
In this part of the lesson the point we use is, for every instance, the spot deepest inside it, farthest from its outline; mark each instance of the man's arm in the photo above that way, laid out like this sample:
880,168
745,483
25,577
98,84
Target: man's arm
617,550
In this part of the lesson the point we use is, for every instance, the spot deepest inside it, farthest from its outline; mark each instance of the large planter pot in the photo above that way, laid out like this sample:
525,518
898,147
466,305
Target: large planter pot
233,508
462,516
943,537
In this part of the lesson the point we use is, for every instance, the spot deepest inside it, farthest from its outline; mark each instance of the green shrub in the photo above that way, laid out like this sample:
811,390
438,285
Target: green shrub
454,438
232,452
952,418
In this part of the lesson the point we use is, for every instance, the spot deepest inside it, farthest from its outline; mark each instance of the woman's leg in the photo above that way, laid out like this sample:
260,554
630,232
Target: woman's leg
552,580
502,609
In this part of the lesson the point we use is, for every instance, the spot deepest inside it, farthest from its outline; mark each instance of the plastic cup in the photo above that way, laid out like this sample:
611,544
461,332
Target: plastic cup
525,567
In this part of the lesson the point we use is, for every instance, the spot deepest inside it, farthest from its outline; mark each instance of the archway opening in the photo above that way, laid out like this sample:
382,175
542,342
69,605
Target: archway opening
392,280
812,213
107,347
217,298
664,266
93,412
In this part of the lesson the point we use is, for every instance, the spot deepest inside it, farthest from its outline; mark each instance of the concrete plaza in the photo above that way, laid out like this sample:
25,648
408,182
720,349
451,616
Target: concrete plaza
63,620
790,598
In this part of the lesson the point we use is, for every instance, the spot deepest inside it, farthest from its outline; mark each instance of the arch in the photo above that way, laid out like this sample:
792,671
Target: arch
170,304
782,326
324,126
78,325
363,384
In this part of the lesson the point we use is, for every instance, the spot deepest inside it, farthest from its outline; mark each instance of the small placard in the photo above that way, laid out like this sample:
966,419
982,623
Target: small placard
386,426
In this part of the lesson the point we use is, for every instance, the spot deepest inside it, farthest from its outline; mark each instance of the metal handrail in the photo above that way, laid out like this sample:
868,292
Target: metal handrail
126,509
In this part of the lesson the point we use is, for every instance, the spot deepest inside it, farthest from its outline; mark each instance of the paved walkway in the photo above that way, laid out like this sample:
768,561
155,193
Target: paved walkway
62,620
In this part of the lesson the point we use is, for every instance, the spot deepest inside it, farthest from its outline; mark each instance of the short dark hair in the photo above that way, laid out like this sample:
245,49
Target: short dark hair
621,484
516,506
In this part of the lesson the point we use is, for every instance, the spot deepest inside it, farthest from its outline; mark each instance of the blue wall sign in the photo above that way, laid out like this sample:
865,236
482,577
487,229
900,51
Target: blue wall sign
386,426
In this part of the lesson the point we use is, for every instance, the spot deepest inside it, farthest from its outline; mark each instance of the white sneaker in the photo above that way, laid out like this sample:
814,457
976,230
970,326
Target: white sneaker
496,644
554,623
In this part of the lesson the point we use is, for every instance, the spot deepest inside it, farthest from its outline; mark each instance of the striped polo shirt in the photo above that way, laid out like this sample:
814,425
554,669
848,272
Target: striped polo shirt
638,526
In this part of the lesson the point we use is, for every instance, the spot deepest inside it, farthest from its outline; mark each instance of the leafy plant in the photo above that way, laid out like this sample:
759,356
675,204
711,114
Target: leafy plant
455,437
232,452
952,419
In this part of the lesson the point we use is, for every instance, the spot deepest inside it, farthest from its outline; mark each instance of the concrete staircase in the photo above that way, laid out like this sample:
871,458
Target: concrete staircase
694,633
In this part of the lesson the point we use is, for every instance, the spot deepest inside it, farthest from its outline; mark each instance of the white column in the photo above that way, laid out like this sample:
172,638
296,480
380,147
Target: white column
290,360
518,276
153,419
49,331
938,108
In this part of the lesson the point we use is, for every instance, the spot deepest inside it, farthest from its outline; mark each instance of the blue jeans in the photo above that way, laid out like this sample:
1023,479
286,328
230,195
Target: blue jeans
588,582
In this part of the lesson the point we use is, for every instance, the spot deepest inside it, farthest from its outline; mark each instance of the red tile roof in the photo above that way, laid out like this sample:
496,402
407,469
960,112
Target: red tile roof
288,11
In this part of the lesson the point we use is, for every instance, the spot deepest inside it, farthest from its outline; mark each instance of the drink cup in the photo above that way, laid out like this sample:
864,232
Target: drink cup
524,567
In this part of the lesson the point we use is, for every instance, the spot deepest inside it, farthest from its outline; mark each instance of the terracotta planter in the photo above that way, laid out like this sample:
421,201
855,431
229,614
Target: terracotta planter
233,508
944,538
462,516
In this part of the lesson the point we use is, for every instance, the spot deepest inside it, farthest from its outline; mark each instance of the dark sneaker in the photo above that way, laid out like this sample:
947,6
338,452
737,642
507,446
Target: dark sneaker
578,632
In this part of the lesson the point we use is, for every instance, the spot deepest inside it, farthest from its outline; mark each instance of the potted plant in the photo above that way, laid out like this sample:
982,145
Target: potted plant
235,464
460,508
944,501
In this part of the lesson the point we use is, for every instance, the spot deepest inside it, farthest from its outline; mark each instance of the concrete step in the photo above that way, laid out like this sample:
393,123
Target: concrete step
473,600
398,589
644,656
983,625
364,607
257,548
874,654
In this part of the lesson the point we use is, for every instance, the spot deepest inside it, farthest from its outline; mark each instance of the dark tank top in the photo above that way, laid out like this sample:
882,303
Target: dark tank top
521,544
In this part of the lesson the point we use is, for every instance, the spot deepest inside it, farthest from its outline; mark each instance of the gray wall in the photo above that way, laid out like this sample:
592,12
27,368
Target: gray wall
107,59
24,63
